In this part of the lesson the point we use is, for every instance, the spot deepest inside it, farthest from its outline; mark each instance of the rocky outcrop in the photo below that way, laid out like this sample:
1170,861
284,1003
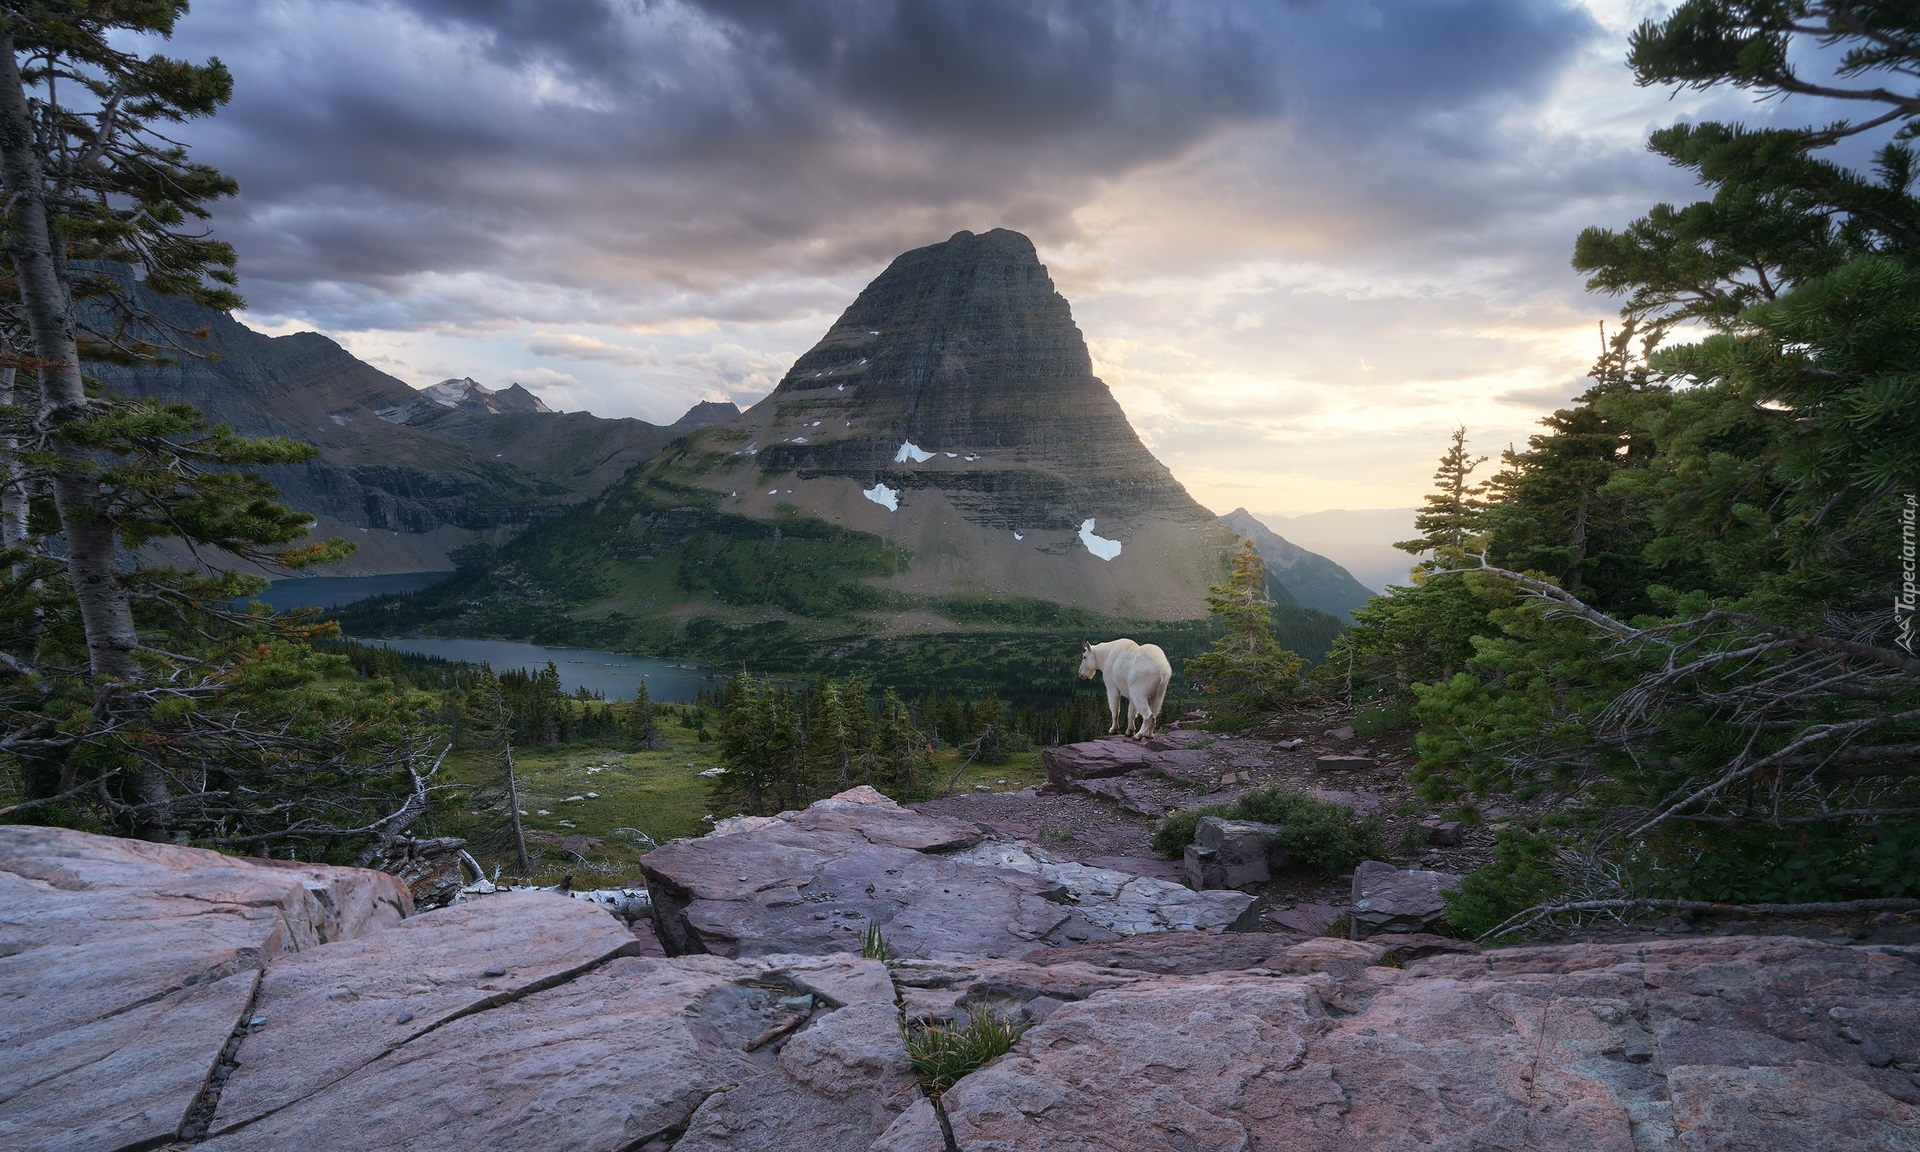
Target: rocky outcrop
1730,1043
125,968
813,881
152,991
1389,899
1111,756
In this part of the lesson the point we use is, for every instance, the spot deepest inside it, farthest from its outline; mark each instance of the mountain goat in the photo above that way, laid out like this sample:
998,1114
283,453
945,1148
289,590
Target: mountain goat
1139,672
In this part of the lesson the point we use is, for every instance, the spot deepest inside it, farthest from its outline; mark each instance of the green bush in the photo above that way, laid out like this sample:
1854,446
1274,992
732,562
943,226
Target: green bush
1522,874
1315,834
942,1055
1379,719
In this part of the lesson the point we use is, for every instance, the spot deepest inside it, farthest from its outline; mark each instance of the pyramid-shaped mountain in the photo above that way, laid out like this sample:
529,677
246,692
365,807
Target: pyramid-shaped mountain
943,458
960,370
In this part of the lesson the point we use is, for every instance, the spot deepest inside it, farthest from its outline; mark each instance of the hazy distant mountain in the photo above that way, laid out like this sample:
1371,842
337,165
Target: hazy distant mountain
470,394
942,458
405,476
705,414
1361,541
1312,580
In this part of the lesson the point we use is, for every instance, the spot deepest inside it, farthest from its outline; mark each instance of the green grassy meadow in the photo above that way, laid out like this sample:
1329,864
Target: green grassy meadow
657,793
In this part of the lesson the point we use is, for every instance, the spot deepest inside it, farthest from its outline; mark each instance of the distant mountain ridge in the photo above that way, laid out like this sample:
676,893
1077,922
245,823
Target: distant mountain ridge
470,394
406,476
1359,540
1312,580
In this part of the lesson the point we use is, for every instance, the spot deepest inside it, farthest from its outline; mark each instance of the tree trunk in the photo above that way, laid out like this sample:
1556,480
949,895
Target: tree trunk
13,486
513,804
106,609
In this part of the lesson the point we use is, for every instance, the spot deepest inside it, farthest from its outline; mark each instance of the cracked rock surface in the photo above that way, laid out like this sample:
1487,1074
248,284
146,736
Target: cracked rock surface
701,1052
1707,1044
125,967
811,881
146,985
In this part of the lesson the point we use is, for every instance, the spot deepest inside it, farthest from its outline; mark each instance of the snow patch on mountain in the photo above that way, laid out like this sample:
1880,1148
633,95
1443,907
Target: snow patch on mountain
1098,545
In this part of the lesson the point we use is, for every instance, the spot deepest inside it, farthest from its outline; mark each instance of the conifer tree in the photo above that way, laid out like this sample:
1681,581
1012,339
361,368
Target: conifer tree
643,720
1454,508
136,693
489,728
1246,673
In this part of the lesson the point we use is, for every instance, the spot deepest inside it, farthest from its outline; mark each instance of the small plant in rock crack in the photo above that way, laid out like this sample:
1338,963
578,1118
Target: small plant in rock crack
942,1054
873,946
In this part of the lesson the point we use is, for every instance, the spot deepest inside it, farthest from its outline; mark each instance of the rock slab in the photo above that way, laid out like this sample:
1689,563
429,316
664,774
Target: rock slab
1231,853
811,882
1718,1044
1387,899
126,966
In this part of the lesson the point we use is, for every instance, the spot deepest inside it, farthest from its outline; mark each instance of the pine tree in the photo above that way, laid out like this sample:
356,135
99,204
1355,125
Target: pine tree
1454,508
136,693
643,720
1246,672
489,728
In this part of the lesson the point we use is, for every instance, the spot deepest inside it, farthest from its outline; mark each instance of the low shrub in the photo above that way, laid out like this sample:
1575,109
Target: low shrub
1376,720
1523,874
1315,834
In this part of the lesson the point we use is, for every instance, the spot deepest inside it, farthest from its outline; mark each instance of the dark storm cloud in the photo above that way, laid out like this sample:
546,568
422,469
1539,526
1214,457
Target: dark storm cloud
593,146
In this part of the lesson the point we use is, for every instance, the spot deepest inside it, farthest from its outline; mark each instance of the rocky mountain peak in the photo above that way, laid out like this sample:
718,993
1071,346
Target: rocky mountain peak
471,395
962,361
705,414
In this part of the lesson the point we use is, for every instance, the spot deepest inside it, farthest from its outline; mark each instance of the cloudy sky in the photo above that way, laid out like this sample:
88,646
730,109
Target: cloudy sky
1304,238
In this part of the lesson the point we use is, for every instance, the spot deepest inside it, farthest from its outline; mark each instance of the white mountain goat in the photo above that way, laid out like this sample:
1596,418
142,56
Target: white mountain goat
1139,672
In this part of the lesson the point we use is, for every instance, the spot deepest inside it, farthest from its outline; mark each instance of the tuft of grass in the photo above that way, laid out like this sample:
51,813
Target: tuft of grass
873,946
941,1055
1413,838
1314,833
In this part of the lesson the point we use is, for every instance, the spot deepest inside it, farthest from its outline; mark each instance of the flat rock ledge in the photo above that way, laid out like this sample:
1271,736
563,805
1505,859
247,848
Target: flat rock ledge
812,881
125,967
149,989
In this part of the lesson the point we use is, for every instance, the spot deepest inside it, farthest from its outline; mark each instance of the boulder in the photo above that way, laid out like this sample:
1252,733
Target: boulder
1711,1043
1095,759
1122,902
1231,853
125,967
810,882
1386,899
1443,833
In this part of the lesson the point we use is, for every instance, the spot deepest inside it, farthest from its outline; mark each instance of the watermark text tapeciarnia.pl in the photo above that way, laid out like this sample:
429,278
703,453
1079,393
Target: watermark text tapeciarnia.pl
1903,604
